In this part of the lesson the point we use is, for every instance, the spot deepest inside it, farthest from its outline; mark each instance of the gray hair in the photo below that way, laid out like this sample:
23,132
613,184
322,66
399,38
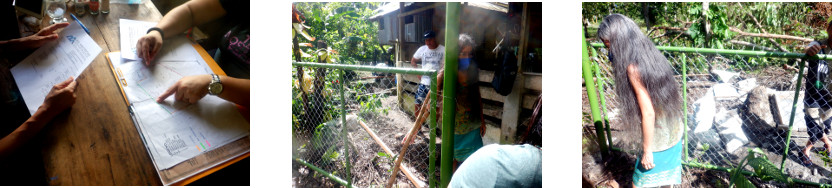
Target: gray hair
628,45
466,40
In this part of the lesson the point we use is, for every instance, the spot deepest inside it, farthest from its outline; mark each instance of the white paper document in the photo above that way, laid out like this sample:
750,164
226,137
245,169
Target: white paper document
175,131
53,63
130,32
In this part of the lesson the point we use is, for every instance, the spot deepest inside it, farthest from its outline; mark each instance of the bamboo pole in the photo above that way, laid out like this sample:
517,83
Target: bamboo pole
419,119
787,37
325,173
387,150
449,98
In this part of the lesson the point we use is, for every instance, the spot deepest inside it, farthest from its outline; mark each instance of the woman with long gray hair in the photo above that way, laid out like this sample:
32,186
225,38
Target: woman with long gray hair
649,101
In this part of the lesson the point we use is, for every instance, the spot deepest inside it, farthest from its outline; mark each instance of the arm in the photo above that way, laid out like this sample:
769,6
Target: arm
192,88
235,90
61,97
190,14
414,60
178,20
417,57
33,41
813,48
22,134
648,115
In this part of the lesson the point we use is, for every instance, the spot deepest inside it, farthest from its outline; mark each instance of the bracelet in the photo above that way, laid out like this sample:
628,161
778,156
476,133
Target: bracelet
156,29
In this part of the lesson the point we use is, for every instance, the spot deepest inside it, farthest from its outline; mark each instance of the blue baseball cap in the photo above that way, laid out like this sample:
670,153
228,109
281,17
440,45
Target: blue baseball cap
429,34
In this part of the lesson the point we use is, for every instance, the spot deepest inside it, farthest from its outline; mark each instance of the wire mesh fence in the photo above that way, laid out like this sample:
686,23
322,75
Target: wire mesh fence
736,102
377,109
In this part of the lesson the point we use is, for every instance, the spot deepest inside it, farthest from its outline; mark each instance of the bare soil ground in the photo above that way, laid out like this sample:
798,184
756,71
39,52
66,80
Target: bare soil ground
369,169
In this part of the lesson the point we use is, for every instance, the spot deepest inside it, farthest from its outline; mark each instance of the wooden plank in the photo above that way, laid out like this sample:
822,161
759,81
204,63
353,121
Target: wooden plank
528,101
490,94
493,111
409,104
412,78
532,82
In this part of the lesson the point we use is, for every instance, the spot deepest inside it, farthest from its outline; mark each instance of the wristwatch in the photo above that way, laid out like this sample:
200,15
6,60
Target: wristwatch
215,87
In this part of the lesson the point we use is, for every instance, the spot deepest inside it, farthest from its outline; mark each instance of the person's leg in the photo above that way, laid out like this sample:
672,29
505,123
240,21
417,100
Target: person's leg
812,117
421,92
826,116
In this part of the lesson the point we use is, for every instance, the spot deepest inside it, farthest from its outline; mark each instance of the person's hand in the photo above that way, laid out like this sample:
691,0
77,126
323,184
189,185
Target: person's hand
647,160
813,50
61,97
482,129
148,46
188,89
42,37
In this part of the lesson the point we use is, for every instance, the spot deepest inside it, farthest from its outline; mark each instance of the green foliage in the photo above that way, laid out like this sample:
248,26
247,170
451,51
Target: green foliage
789,18
345,27
371,104
763,168
715,16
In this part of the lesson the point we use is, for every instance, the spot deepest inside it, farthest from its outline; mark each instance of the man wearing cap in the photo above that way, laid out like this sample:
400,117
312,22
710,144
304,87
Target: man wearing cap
432,56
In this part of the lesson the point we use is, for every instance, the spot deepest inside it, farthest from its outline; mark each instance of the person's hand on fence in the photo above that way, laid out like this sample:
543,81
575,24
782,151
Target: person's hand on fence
188,89
148,46
813,50
647,160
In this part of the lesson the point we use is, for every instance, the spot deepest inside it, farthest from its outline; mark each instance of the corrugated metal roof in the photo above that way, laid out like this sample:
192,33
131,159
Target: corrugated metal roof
394,6
386,9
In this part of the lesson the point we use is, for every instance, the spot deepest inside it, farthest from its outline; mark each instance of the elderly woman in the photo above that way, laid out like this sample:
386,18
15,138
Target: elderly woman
469,126
649,98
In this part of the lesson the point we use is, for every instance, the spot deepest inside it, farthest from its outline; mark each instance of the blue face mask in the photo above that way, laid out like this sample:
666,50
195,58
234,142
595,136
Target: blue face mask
464,63
610,56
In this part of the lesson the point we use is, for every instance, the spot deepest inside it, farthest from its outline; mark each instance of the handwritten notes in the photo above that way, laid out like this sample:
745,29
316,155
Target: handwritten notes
53,63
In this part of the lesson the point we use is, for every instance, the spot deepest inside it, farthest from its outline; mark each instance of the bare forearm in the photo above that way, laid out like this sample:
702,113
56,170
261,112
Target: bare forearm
647,126
23,133
236,90
188,15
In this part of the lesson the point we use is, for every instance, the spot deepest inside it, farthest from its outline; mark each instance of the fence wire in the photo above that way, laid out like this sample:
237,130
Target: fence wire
735,103
370,99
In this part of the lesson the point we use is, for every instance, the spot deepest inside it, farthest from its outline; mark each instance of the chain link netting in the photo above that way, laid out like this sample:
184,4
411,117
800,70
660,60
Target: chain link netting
371,104
734,103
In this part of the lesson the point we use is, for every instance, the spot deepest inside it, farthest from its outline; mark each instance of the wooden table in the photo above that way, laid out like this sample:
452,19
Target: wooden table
96,142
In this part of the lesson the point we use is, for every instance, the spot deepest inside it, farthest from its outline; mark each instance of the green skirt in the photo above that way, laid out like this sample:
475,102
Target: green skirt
466,144
668,170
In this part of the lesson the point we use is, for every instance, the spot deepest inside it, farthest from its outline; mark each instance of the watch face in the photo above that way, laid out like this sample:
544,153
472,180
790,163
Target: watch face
215,88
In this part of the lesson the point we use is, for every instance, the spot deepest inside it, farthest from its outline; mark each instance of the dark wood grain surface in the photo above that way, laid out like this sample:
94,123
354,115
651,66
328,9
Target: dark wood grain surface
96,143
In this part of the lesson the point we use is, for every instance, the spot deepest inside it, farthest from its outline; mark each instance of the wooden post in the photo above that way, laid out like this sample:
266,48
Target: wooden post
400,56
513,103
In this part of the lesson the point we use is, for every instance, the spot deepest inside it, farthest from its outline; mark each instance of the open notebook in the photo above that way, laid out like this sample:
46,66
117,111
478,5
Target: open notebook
175,132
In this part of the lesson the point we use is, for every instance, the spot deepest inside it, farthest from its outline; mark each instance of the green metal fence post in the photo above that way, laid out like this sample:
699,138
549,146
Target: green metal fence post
432,123
685,103
344,127
736,52
593,100
791,119
449,94
603,99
